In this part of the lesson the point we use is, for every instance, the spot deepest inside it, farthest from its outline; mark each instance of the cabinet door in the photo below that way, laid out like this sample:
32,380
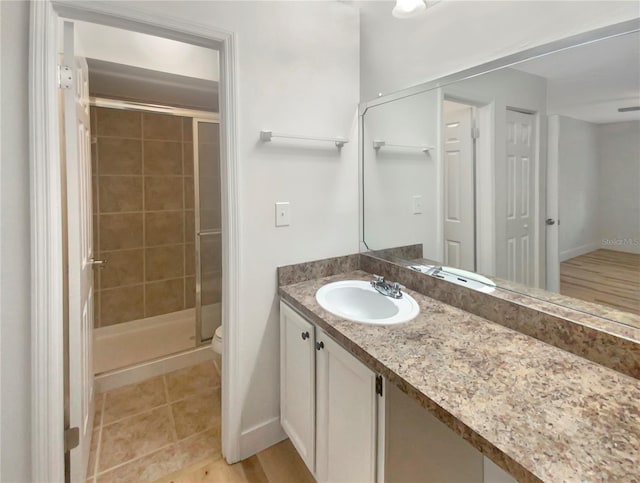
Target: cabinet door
346,412
297,382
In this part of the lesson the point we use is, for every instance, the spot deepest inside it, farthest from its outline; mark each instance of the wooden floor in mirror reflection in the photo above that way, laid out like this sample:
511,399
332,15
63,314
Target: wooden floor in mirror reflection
605,277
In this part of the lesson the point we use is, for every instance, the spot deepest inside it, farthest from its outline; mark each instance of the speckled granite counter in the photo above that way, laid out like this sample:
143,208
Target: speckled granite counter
537,411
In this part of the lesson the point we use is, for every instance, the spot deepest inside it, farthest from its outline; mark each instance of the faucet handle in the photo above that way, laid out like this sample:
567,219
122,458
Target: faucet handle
398,286
378,278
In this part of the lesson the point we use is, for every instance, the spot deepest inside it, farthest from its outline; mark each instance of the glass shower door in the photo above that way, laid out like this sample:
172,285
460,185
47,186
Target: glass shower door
208,226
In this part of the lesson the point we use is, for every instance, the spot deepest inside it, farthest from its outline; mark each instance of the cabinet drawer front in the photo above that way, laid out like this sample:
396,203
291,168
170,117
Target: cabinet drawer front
297,382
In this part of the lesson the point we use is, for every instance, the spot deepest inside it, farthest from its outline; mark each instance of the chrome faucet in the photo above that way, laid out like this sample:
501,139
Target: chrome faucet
390,289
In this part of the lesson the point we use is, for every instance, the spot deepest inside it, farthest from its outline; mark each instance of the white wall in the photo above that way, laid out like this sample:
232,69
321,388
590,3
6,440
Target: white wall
454,35
578,180
619,181
392,176
297,73
15,427
146,51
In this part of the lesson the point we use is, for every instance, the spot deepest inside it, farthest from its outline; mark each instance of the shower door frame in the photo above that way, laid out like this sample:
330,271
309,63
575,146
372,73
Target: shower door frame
199,233
47,311
196,116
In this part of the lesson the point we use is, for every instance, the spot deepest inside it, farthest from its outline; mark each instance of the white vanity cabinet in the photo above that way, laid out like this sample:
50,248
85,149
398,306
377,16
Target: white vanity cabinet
329,403
297,382
345,414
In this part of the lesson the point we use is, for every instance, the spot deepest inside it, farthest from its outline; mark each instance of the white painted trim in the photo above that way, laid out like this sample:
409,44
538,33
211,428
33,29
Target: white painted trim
145,370
252,440
577,251
1,104
232,262
46,211
47,338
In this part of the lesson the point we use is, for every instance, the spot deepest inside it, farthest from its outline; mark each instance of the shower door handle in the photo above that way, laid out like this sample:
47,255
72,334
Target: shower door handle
97,263
209,232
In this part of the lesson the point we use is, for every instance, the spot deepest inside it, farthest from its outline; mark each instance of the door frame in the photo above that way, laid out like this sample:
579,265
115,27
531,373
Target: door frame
484,209
47,314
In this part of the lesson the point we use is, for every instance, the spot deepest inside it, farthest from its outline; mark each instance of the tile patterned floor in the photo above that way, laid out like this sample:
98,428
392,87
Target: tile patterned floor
149,430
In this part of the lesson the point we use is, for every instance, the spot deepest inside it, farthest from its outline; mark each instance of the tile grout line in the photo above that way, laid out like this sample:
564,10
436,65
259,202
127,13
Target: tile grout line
133,415
107,289
165,385
99,445
144,221
137,212
120,465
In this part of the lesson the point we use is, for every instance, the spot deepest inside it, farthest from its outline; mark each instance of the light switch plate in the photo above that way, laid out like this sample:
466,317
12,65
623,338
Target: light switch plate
417,204
283,213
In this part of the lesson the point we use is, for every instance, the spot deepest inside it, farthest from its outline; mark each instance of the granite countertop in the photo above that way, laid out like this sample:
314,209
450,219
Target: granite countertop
539,412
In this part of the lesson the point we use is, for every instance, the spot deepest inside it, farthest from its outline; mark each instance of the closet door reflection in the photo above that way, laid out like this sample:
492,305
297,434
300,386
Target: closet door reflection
208,226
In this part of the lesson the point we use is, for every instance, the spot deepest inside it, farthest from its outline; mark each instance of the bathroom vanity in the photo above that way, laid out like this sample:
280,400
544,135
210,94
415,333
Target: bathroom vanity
329,402
460,395
501,376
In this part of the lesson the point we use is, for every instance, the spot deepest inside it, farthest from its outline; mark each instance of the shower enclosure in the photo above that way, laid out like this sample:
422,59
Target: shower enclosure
158,227
208,226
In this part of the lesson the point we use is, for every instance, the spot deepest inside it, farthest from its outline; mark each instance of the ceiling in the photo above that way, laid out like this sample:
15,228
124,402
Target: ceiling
126,82
590,82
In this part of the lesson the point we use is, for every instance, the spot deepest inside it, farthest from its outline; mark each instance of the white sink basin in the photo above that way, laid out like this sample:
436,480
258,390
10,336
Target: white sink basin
358,301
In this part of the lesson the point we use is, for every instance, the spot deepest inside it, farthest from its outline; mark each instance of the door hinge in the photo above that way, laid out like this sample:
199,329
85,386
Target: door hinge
71,438
379,385
65,77
475,133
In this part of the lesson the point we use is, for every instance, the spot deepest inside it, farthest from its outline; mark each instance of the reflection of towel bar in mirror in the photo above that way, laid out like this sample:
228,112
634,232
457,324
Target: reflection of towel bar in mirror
379,144
266,136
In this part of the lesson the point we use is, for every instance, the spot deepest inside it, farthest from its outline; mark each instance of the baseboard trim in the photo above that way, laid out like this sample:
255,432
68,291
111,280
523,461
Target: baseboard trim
261,436
577,251
157,367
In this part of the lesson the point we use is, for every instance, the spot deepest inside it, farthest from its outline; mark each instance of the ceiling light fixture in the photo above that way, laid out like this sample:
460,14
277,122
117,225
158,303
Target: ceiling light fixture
408,8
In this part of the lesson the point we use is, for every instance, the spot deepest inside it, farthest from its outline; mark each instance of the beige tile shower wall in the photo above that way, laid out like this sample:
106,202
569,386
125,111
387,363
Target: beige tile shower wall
143,214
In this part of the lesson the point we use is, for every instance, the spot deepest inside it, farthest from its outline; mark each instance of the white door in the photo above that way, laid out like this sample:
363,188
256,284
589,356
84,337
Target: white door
520,197
346,415
80,253
297,382
459,211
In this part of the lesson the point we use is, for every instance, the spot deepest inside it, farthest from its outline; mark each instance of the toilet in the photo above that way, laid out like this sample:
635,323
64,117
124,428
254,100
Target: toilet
216,343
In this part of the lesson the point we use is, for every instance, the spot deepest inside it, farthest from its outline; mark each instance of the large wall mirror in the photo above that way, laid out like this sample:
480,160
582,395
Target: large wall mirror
528,175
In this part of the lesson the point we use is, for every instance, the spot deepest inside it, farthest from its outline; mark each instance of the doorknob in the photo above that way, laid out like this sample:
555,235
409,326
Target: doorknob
305,335
97,263
550,221
319,345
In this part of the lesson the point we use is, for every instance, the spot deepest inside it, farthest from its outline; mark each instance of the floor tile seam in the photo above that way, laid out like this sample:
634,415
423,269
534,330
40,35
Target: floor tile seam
198,433
215,388
99,444
120,465
174,428
133,415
